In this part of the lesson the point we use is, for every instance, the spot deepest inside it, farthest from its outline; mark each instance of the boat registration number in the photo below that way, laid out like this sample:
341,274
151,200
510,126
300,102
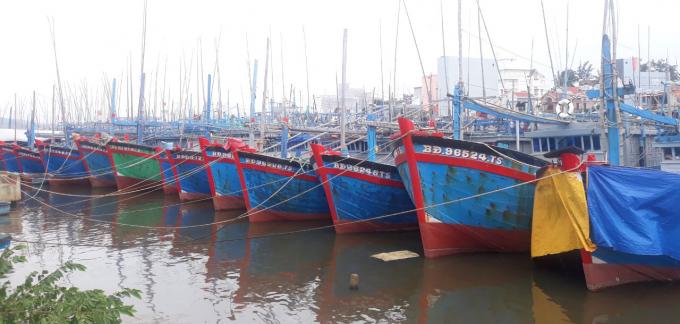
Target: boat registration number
460,153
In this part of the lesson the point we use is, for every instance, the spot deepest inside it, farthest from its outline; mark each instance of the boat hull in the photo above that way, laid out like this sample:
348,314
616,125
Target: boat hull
169,184
191,175
352,186
224,181
470,196
606,268
279,190
98,164
30,164
136,167
10,162
64,166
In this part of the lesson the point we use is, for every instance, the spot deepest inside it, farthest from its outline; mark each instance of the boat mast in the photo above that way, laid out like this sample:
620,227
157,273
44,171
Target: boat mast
15,117
566,59
31,127
53,111
481,51
343,145
140,107
458,90
394,72
264,99
547,41
304,38
61,92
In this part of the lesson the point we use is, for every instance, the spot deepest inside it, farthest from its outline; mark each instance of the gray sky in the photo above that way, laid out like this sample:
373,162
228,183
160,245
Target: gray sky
97,39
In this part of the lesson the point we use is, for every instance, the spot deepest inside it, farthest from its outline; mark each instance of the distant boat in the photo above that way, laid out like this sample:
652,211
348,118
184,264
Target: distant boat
63,165
10,163
169,173
278,189
439,170
358,190
136,167
30,164
191,175
97,163
225,185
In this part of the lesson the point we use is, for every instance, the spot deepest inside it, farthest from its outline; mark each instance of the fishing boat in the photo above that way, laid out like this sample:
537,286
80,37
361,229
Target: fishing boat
10,163
191,175
437,171
276,189
30,164
225,185
97,162
625,229
358,191
63,165
136,167
168,172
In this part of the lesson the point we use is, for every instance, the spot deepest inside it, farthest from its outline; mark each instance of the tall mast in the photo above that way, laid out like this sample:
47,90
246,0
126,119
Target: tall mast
61,92
394,72
140,106
304,38
382,74
31,127
566,58
446,70
53,111
16,109
458,109
343,145
481,51
264,98
547,41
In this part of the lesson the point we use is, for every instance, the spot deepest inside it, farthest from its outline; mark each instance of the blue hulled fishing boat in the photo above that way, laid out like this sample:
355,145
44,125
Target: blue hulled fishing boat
191,175
225,185
30,164
279,189
437,171
358,191
10,163
63,165
97,163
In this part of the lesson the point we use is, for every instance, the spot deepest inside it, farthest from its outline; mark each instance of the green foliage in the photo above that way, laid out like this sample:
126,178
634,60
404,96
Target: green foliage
584,71
39,299
571,78
583,75
661,66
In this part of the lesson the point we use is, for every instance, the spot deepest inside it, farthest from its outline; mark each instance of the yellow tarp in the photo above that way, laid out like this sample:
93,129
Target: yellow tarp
560,220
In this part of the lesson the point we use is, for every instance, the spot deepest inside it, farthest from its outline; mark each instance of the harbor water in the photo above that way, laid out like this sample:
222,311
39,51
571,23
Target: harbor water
297,272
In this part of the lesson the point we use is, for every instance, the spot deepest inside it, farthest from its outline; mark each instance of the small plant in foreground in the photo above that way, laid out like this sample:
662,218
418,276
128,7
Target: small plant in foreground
39,299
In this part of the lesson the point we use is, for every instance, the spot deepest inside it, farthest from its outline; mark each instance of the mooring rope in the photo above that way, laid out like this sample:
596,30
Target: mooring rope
306,229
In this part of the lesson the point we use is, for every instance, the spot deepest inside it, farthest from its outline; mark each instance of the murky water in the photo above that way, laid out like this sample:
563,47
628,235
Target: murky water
213,274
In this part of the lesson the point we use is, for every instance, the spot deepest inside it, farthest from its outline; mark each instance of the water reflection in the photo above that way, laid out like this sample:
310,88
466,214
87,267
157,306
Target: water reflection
215,273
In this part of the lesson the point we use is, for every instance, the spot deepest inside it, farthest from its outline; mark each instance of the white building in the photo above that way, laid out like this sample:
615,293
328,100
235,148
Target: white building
519,78
356,99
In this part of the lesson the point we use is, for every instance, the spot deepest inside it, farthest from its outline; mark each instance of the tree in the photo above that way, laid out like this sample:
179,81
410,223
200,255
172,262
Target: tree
39,299
584,71
572,78
661,66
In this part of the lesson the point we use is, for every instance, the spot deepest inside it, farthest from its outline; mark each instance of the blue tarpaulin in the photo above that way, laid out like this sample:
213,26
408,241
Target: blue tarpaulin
635,211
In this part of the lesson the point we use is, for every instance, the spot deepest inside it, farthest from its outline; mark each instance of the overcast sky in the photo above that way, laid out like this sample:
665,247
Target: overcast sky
97,39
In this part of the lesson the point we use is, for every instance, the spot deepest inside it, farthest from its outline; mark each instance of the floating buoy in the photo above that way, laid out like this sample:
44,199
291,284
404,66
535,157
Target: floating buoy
354,281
